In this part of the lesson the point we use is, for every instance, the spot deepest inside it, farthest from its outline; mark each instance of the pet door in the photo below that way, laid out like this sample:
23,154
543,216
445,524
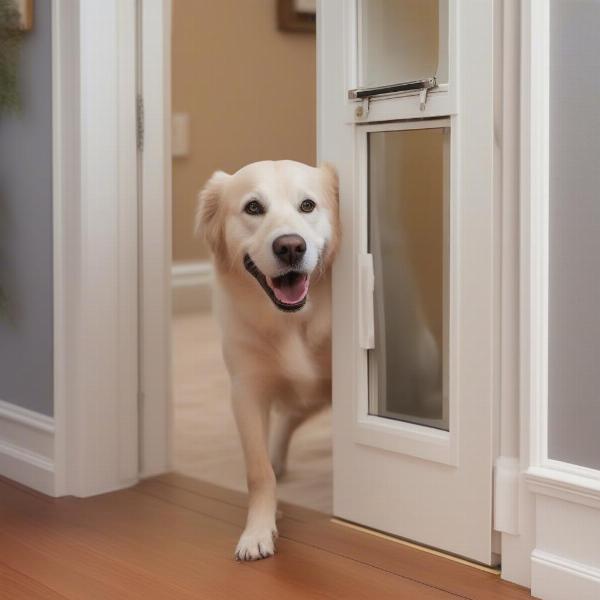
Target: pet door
403,41
407,239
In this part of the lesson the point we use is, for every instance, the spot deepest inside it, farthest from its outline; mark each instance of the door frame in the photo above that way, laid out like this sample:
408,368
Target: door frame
95,425
555,549
106,434
156,406
95,247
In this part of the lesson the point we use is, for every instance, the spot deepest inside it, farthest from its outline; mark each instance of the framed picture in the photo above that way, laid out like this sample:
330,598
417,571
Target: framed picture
25,8
297,15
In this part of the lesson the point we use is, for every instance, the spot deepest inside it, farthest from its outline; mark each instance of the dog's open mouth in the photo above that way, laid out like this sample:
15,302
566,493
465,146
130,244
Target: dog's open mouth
288,291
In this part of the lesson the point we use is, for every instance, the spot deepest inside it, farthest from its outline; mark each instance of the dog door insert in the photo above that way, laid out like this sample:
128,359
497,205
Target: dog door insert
402,40
408,228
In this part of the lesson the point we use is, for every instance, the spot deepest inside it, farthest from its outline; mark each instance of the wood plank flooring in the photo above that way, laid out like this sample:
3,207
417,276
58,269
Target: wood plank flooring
173,537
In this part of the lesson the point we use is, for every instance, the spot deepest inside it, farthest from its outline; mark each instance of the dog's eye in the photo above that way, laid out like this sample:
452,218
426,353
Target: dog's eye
307,205
254,207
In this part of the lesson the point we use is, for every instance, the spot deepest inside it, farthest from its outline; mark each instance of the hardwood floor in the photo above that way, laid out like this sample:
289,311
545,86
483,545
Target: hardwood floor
173,537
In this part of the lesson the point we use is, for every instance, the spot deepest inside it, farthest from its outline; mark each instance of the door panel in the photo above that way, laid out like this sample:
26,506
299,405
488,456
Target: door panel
415,282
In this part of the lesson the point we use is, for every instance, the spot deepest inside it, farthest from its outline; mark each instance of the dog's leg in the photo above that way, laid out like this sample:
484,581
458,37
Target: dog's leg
283,428
251,409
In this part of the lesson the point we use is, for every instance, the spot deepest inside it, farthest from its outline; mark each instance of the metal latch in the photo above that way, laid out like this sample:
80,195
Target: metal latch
420,86
393,88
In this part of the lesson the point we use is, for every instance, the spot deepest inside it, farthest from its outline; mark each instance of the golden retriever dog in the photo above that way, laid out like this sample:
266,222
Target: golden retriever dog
273,230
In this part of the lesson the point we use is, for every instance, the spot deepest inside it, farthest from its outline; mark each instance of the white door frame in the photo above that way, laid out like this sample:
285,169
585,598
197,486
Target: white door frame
556,548
95,246
97,377
155,239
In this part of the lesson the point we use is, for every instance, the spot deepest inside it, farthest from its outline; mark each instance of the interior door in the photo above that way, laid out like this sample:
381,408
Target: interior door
406,115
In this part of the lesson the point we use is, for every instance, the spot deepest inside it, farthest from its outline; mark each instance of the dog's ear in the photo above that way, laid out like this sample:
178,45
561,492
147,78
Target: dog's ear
332,182
208,225
331,187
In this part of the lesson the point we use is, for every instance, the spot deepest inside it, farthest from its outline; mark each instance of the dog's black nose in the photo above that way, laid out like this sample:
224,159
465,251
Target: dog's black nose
289,249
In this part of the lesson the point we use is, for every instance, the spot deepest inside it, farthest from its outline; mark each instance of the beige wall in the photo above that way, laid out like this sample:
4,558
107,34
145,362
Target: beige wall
250,91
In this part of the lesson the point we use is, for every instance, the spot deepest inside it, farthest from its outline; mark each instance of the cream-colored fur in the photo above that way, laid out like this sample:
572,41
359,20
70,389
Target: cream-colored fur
279,362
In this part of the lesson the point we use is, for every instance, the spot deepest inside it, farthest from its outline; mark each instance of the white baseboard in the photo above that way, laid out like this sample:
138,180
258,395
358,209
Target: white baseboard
557,578
27,447
565,564
191,284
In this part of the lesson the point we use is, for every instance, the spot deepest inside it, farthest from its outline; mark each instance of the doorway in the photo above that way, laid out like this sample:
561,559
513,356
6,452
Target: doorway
243,90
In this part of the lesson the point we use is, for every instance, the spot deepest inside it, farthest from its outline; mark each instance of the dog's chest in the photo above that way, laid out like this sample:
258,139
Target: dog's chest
301,357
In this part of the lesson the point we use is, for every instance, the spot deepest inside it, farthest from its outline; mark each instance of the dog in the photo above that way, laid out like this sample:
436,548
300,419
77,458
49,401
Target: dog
273,230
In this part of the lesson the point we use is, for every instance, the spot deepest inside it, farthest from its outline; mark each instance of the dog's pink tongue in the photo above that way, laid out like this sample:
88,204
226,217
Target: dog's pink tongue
292,293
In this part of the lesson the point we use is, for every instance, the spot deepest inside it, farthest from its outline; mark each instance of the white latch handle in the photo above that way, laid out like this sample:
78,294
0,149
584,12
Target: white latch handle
367,317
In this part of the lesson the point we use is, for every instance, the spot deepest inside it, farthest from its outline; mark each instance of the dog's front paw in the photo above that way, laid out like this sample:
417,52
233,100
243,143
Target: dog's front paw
256,544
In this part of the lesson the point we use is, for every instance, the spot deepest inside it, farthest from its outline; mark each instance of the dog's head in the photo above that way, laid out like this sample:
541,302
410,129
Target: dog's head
277,222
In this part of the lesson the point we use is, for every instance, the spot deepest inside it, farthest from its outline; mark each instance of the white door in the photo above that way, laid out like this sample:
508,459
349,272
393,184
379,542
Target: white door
416,281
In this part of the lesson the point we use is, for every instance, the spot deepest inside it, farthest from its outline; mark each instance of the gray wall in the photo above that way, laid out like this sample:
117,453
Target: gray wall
574,305
26,228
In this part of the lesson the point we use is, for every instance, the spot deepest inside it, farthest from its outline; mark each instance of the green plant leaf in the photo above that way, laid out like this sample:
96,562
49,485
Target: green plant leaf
11,37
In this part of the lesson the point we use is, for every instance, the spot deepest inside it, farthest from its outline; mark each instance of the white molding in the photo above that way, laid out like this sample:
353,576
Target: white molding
566,486
24,416
510,496
191,285
563,467
95,282
65,82
155,264
536,168
517,548
507,156
26,447
559,529
557,578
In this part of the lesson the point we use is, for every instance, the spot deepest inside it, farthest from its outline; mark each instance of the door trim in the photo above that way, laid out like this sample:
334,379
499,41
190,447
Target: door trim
155,411
556,547
94,246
